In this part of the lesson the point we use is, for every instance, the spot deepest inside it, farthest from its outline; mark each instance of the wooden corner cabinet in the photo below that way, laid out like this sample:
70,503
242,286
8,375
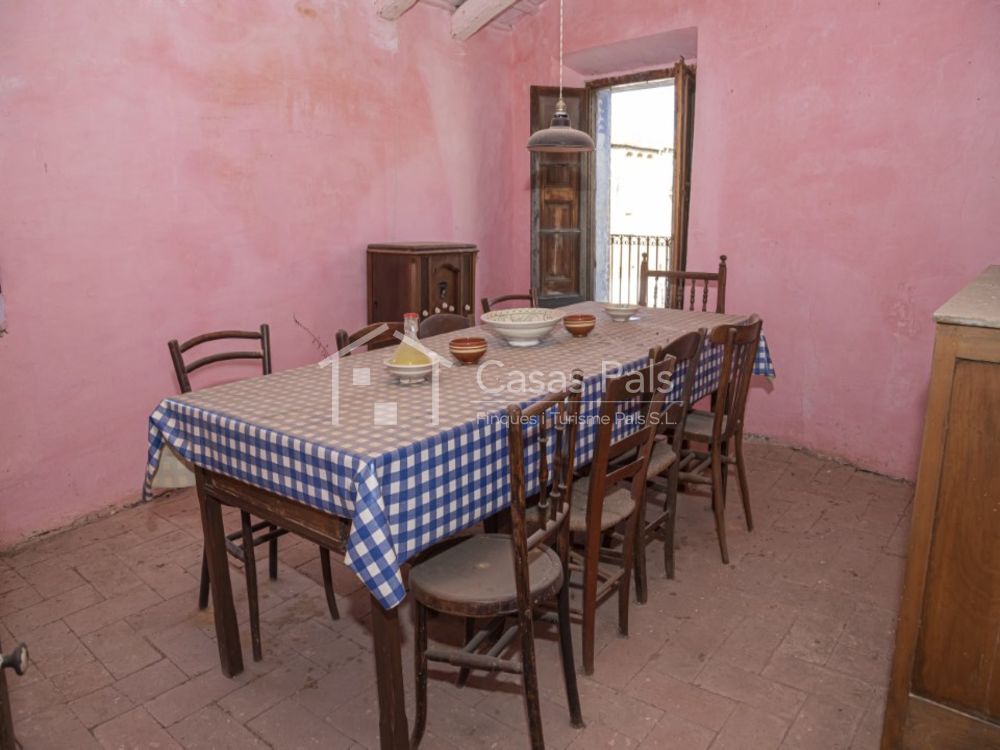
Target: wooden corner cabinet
945,687
420,277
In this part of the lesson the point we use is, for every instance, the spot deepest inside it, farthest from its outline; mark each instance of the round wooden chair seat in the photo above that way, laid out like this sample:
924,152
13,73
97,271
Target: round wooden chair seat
661,459
476,577
618,506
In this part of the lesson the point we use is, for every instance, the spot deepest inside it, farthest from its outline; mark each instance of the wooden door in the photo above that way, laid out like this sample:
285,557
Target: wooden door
684,81
560,184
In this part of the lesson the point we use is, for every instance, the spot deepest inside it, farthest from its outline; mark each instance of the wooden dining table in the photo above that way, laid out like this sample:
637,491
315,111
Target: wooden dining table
347,457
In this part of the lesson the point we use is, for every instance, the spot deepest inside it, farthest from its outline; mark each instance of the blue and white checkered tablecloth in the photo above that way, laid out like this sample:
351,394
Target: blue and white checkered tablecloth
409,485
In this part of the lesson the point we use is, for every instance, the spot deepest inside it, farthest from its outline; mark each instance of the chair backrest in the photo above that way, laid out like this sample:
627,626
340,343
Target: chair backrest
673,296
531,298
182,369
384,339
551,421
442,323
739,352
624,458
686,351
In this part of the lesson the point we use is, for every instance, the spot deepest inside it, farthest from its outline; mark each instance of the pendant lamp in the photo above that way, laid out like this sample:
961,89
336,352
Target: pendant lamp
560,137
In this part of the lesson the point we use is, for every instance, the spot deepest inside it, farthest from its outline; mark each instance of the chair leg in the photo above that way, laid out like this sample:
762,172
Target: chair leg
718,503
272,555
470,631
250,571
628,563
566,653
203,591
741,471
670,507
420,670
590,562
641,584
724,470
331,597
529,674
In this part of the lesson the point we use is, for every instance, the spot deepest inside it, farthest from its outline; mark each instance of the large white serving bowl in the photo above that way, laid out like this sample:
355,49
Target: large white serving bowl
620,313
409,374
523,326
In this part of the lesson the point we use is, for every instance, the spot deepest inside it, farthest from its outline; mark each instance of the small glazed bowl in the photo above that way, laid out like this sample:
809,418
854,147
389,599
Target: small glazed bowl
579,325
468,351
620,313
410,374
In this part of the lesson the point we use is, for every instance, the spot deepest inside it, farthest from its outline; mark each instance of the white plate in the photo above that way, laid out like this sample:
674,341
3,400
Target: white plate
409,374
523,326
620,313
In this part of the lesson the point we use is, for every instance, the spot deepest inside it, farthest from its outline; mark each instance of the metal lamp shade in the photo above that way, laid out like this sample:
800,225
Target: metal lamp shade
560,137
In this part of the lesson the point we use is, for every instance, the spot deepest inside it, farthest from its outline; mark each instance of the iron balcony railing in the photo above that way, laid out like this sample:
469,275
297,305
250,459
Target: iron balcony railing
625,259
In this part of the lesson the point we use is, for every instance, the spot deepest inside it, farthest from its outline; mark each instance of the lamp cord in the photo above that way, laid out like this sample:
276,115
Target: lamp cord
560,49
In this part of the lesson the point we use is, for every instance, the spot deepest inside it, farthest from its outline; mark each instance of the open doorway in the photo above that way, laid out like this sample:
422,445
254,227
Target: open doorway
595,217
640,178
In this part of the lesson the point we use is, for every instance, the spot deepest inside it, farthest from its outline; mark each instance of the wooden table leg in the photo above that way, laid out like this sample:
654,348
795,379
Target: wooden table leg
227,630
393,728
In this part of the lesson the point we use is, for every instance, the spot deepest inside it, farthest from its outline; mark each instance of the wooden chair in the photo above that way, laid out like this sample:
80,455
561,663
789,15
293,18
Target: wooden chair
611,496
498,576
677,282
382,340
531,298
442,323
240,544
663,470
722,427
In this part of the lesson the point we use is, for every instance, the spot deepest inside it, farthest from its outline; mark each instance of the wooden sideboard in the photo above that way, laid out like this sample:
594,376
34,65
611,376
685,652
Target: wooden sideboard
944,692
420,277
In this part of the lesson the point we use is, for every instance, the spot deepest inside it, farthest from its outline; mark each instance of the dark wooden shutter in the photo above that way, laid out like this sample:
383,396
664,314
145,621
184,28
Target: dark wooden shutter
683,141
559,208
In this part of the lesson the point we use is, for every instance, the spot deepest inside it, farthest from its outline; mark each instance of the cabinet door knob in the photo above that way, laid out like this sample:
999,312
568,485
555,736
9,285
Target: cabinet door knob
437,309
425,313
467,308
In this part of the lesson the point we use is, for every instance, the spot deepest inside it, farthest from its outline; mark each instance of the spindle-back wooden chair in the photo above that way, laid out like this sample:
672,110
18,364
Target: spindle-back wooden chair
498,576
240,544
722,428
682,286
663,470
439,323
611,496
531,298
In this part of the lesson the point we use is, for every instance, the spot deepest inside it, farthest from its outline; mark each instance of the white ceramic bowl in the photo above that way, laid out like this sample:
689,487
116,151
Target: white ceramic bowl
523,326
408,374
620,313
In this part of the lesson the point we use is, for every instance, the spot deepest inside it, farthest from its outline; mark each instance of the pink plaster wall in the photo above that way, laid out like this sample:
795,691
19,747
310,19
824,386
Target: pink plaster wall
847,160
170,167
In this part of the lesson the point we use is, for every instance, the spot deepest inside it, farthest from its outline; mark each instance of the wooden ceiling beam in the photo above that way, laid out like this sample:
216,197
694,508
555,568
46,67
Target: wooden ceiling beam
472,15
390,10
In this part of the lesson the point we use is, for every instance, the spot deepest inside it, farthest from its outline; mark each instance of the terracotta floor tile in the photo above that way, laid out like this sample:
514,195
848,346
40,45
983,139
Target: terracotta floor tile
121,649
760,692
55,728
135,730
100,706
211,728
674,731
750,729
823,724
289,726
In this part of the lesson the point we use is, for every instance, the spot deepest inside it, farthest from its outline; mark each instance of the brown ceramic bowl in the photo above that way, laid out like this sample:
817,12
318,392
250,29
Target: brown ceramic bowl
468,351
579,325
